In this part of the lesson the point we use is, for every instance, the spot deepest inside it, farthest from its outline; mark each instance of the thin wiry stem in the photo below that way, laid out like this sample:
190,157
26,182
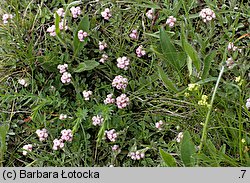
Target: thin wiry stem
204,132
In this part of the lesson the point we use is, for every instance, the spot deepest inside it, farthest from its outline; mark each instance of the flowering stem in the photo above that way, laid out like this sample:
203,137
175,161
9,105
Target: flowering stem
204,133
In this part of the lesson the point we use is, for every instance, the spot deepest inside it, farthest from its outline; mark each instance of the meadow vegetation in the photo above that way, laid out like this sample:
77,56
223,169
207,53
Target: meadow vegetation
125,83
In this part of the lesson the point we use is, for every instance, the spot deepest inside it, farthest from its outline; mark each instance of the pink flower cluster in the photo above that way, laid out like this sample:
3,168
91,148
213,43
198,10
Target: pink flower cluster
66,136
104,58
232,47
159,125
230,63
120,82
27,148
171,21
150,14
207,14
6,17
111,135
115,148
122,101
57,144
136,155
140,52
123,63
52,30
179,137
248,104
86,94
63,26
102,45
42,134
62,68
60,12
66,77
106,14
109,99
134,34
75,11
81,35
63,116
23,82
97,120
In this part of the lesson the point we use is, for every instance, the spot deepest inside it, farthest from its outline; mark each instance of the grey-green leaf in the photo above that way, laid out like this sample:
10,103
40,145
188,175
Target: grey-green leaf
57,20
207,64
189,66
83,25
187,150
168,48
87,65
171,55
167,158
191,52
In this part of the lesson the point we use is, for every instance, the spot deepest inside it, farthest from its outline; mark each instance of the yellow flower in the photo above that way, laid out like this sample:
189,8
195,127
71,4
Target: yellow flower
192,86
203,100
204,97
186,94
237,79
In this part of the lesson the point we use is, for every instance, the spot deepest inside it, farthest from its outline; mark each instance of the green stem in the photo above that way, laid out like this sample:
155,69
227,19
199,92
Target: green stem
204,133
240,128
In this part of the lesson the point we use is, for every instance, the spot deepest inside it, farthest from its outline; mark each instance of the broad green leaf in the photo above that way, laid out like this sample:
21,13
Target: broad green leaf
189,66
167,82
167,47
187,150
157,51
83,25
167,158
193,57
171,55
87,65
166,44
207,64
191,52
57,20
